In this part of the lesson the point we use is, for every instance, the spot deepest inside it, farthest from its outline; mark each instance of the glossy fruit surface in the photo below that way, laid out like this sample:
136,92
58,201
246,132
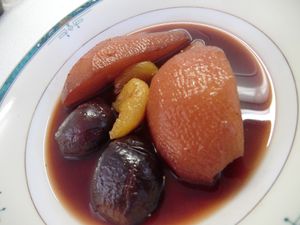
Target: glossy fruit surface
131,106
194,113
143,70
103,63
127,182
85,129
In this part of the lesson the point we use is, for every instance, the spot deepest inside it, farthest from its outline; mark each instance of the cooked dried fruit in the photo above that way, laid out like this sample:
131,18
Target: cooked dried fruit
131,105
143,70
194,113
102,64
127,182
85,129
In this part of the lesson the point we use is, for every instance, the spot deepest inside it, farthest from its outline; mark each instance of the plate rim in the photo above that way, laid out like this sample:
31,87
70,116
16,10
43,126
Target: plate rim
12,77
14,74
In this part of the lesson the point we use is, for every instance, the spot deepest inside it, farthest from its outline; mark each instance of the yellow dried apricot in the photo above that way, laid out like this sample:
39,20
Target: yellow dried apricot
143,70
131,105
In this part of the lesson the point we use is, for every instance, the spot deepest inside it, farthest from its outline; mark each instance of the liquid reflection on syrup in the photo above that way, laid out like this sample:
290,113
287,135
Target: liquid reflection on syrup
182,204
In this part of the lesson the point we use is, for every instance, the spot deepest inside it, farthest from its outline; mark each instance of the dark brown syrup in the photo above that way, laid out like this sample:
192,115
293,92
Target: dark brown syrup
181,204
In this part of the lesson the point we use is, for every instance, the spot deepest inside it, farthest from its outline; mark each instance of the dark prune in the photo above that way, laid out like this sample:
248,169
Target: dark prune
127,182
85,129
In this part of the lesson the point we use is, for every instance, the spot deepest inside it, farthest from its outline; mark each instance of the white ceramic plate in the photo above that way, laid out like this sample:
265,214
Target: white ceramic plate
29,95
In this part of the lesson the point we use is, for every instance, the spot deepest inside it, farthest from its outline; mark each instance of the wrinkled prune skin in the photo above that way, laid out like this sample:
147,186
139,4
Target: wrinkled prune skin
85,129
127,183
